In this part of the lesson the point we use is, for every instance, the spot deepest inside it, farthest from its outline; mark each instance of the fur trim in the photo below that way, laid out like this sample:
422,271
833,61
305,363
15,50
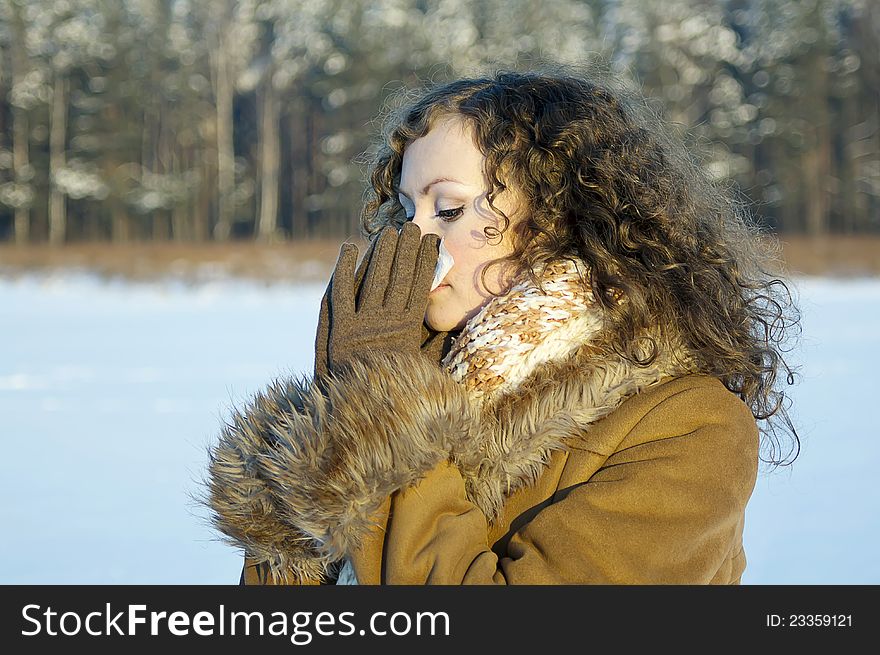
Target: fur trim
298,475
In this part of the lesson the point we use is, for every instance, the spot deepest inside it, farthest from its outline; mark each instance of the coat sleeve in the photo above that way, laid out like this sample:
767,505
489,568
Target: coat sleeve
664,510
256,572
299,475
239,500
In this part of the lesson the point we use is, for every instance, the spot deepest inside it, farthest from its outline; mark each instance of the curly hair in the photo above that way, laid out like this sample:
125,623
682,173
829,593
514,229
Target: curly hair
604,179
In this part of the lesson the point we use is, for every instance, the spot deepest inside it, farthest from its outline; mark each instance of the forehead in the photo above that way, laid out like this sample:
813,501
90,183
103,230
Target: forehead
446,151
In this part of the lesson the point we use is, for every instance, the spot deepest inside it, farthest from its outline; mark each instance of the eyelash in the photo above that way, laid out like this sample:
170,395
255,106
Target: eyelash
440,214
443,215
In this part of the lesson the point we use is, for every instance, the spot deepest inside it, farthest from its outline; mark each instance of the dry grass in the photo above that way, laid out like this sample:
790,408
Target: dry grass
300,261
314,260
843,256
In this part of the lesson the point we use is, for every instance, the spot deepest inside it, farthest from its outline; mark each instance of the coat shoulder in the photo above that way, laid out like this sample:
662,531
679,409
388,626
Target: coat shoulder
683,405
695,423
673,407
679,477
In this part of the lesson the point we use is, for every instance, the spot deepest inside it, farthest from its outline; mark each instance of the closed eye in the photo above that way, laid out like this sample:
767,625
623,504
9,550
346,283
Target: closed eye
450,214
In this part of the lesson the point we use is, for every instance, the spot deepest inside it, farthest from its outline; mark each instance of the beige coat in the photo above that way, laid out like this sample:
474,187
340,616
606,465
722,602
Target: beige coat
592,471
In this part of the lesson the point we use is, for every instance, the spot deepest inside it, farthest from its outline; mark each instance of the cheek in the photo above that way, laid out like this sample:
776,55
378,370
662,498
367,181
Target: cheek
467,268
471,257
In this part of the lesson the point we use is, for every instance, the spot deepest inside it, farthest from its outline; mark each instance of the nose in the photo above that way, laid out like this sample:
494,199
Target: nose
426,225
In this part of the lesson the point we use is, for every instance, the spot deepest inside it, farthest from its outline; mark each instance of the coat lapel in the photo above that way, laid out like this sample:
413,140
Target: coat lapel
553,408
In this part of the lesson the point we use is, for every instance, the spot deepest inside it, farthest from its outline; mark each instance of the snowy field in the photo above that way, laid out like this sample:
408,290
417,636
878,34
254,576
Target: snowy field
110,393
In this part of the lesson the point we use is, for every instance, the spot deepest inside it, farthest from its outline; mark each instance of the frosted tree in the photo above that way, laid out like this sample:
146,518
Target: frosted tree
217,119
232,36
808,80
28,89
61,38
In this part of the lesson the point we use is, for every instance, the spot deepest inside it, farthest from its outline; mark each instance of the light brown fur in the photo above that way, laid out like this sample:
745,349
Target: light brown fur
298,475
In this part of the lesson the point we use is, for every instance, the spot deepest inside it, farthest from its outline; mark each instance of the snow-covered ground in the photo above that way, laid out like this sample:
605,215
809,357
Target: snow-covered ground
110,393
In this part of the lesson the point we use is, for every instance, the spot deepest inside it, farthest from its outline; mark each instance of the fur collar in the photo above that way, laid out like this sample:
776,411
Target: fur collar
297,473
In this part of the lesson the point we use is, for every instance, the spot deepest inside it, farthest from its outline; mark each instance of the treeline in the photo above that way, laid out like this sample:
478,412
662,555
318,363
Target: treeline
196,120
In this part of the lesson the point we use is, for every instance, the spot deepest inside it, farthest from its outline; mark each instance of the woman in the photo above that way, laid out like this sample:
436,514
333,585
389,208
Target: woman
578,402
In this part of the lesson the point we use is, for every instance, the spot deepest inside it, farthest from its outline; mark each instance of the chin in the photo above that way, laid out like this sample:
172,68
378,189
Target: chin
441,321
439,325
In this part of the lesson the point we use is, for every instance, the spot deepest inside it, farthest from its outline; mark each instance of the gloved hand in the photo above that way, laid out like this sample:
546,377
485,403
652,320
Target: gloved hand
434,346
322,335
387,311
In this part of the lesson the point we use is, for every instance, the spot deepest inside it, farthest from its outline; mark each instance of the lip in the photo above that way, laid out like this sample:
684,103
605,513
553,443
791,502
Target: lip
439,286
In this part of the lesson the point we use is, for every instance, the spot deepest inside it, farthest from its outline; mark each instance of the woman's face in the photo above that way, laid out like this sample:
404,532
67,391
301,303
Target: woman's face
443,191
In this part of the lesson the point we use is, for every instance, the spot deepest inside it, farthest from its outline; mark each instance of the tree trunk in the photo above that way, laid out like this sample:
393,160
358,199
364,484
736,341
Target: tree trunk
119,223
20,154
20,164
267,225
223,91
816,159
201,230
314,176
180,229
298,227
57,148
814,190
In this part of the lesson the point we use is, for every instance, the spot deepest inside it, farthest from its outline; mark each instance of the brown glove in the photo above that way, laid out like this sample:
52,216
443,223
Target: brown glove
322,335
387,312
434,344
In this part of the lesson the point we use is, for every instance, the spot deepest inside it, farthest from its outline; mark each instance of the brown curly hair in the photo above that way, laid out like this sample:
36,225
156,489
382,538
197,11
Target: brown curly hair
604,179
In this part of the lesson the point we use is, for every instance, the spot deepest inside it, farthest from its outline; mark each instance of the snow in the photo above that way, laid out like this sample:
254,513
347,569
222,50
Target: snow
818,521
111,392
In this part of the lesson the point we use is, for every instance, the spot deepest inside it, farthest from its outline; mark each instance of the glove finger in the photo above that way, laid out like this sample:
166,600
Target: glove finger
403,273
342,283
362,266
322,334
426,264
372,292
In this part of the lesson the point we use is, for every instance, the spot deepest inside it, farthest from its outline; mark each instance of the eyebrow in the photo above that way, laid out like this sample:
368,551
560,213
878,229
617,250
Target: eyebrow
428,186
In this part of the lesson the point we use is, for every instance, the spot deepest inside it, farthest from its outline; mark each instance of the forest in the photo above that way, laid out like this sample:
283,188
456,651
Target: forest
221,120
